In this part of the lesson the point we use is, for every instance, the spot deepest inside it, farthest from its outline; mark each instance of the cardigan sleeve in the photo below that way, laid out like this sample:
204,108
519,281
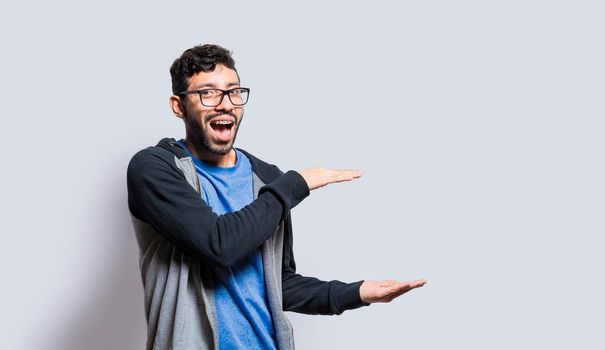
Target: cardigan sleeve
159,194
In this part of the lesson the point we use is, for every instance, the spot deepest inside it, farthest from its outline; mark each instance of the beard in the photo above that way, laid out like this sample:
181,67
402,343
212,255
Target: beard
200,133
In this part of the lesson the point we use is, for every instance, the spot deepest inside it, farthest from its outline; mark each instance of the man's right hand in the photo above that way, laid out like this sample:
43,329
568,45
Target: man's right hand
319,177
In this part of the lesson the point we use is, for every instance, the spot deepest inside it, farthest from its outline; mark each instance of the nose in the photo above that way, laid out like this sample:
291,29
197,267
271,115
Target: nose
225,104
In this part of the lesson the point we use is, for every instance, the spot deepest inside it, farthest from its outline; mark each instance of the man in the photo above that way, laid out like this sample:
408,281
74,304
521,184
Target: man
214,228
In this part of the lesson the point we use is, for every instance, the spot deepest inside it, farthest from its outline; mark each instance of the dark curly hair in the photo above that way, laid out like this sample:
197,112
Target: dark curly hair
200,58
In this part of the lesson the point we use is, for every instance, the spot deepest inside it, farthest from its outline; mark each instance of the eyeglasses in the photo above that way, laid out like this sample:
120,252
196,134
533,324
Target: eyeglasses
214,97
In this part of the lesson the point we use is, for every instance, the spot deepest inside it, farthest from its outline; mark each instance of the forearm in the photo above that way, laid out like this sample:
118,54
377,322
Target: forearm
161,196
310,295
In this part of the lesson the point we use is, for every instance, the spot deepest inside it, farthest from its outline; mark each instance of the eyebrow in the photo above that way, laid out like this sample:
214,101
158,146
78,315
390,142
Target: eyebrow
213,86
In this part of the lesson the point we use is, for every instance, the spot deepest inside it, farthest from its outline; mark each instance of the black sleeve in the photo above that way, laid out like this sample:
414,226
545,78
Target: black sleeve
310,295
159,194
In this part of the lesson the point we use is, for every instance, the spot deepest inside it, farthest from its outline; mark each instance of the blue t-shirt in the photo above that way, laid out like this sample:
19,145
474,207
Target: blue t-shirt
244,319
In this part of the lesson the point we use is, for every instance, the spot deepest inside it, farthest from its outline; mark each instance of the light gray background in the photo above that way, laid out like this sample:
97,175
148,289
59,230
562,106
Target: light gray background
479,126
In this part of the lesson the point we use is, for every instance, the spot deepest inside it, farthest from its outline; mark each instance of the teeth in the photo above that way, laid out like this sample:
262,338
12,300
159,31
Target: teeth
223,122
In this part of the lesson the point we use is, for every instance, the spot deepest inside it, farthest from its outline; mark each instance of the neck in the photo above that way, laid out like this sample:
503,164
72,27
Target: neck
220,160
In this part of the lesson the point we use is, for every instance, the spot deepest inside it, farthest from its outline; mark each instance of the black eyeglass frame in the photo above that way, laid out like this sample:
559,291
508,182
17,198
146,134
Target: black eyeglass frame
223,93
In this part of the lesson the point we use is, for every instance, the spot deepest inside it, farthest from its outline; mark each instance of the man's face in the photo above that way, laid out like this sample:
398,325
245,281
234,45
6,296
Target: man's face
213,128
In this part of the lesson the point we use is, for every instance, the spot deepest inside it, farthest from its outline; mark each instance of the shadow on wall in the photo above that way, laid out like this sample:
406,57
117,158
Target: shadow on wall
113,317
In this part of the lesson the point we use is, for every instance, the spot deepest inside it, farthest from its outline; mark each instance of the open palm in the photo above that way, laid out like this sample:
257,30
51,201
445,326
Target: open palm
385,291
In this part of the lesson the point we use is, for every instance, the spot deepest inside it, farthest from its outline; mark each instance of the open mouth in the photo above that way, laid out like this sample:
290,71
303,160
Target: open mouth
223,129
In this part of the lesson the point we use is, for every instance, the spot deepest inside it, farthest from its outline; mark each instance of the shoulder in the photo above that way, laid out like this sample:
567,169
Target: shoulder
266,172
149,156
151,159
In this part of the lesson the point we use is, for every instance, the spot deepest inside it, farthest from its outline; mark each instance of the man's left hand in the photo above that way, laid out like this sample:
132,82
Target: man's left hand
385,291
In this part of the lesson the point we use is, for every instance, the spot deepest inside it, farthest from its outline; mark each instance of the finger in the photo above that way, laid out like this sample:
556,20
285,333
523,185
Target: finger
402,288
399,293
405,290
414,284
406,286
355,173
340,178
418,283
347,174
411,286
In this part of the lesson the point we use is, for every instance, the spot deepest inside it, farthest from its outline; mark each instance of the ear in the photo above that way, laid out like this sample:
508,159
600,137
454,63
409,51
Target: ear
178,106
